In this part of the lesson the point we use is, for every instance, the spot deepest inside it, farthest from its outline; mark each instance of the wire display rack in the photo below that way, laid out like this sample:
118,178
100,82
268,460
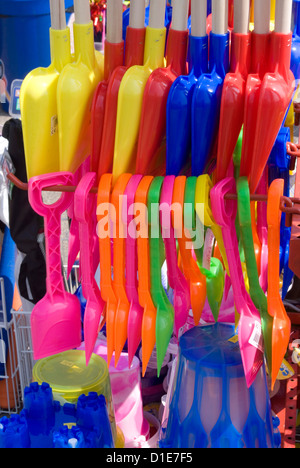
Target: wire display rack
10,384
22,329
286,403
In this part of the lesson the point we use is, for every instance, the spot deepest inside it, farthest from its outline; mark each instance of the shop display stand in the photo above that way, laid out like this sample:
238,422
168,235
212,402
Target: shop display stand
286,402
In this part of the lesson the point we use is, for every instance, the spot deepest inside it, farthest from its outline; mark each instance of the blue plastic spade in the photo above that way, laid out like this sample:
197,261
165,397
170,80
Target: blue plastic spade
206,103
295,57
179,106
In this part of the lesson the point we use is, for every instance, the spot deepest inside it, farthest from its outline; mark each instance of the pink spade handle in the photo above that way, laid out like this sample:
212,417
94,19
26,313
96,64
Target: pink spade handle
52,216
131,252
84,209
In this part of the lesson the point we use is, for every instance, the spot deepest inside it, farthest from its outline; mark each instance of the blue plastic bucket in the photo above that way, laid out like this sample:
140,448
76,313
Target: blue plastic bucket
24,43
210,404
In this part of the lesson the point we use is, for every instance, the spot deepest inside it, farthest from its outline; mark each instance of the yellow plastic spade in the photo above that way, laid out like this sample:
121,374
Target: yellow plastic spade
76,87
203,209
131,91
38,100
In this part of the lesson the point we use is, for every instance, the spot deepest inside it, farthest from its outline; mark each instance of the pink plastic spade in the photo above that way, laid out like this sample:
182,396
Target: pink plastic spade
55,319
74,243
177,280
84,208
135,317
249,328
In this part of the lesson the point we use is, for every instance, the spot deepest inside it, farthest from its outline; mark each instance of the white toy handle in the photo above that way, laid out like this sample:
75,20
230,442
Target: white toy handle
198,18
114,18
241,16
219,16
283,16
137,14
262,13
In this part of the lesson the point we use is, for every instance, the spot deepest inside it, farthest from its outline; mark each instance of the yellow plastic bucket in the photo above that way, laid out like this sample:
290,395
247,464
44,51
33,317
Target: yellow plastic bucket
69,377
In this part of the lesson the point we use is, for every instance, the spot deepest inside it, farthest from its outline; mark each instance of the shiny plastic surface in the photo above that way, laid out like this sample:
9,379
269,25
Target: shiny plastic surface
249,327
135,318
130,101
84,205
38,102
75,90
233,102
165,311
210,404
113,58
105,250
55,319
178,118
260,49
281,321
197,281
134,54
275,96
119,261
153,118
256,293
144,282
177,281
206,104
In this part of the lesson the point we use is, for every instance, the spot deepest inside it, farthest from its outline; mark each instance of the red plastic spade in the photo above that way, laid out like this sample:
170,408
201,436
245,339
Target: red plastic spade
84,205
134,55
153,117
234,87
275,94
260,41
113,57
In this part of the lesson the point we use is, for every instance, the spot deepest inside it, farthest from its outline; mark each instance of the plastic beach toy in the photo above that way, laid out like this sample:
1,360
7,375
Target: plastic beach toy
144,281
153,117
113,58
196,279
55,319
119,261
38,100
176,279
204,211
249,328
275,94
234,87
69,378
206,103
75,90
281,322
84,205
134,55
135,317
256,293
178,118
104,234
260,49
131,92
165,311
210,404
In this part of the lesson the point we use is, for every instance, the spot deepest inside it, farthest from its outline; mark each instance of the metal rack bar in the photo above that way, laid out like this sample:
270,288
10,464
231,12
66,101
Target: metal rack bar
288,204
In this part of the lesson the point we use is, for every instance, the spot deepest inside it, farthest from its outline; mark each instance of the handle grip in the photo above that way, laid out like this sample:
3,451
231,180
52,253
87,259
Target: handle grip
52,217
84,203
